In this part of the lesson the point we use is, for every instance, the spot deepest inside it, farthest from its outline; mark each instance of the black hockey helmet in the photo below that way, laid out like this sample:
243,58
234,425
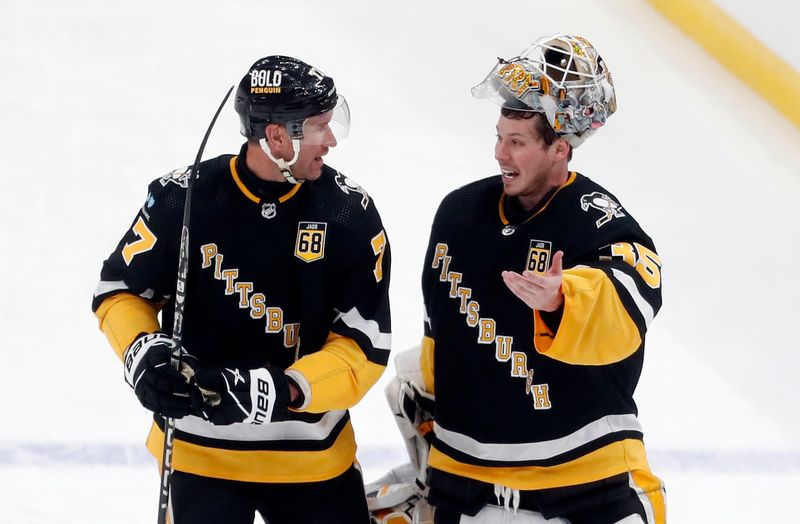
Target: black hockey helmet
282,90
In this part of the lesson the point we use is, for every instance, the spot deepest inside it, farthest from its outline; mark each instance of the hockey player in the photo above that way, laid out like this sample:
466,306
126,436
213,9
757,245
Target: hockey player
286,317
538,288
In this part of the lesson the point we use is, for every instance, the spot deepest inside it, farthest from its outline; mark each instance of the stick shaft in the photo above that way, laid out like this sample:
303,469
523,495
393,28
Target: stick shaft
177,326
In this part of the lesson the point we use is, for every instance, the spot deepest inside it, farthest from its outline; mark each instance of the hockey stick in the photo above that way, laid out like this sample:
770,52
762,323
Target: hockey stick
177,325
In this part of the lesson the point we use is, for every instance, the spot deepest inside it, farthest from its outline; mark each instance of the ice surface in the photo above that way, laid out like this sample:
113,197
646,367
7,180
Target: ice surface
98,98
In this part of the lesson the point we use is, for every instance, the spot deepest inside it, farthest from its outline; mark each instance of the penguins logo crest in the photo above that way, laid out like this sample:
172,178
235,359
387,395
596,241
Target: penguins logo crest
347,186
179,177
602,202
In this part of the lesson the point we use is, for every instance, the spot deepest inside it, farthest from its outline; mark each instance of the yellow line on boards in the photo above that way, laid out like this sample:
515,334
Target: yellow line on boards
738,50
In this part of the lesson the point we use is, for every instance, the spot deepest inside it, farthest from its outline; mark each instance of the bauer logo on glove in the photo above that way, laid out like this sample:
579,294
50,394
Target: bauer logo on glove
160,387
250,396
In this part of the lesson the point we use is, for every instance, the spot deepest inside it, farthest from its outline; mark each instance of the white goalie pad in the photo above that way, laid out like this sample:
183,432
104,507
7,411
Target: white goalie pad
399,496
407,399
391,489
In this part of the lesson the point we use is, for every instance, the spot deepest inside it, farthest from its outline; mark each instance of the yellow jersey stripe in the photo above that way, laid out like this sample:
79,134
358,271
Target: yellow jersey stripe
123,316
240,184
249,194
570,179
653,489
338,375
259,466
612,459
595,328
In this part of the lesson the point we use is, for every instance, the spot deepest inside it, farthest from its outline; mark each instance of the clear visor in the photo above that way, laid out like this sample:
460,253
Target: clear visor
329,127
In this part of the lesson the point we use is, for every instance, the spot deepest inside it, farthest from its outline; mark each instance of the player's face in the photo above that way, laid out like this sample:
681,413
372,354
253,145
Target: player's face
529,166
317,140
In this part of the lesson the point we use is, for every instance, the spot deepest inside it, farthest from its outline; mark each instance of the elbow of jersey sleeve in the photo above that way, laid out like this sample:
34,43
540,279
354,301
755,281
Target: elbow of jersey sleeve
596,328
335,377
123,317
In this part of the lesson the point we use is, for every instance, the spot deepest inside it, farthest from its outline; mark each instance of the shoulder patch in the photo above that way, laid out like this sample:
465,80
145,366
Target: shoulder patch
310,241
178,177
539,255
348,186
602,202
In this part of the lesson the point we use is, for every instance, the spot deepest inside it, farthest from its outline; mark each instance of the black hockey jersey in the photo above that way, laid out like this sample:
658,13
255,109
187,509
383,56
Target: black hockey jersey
525,400
294,276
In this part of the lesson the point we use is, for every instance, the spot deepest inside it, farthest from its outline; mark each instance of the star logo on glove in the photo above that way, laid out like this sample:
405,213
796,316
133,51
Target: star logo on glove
236,376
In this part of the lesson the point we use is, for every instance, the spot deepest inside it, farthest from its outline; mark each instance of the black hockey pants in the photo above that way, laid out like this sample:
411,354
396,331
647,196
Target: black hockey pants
204,500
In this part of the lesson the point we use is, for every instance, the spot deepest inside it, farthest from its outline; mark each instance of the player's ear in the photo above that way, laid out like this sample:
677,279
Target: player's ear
275,134
278,140
562,148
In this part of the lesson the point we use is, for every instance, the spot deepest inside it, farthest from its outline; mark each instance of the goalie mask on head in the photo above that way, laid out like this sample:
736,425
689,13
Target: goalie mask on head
561,76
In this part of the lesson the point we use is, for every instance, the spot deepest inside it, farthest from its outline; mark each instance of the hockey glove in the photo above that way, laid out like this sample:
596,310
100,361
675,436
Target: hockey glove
159,386
252,396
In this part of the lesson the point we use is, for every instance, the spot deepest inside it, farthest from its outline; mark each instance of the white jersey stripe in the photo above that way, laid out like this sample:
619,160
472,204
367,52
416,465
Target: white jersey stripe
529,451
106,286
644,307
274,431
370,328
118,285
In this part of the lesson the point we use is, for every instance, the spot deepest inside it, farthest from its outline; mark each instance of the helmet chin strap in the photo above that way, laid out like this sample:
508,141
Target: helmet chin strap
282,164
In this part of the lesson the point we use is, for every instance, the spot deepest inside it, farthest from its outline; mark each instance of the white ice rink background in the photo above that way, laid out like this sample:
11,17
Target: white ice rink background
98,98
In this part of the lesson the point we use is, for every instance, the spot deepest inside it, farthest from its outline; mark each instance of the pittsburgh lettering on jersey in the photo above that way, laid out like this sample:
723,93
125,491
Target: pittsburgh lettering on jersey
487,327
243,292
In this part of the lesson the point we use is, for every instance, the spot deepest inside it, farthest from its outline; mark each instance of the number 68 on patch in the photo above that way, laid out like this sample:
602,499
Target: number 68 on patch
310,244
539,256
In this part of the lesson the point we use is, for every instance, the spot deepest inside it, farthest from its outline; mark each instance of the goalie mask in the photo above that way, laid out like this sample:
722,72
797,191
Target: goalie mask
561,76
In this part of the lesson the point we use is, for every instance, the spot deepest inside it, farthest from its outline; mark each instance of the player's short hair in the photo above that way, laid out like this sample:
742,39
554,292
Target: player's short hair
540,124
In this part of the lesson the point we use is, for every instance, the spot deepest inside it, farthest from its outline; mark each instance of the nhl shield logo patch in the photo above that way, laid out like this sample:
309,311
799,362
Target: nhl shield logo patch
310,244
539,256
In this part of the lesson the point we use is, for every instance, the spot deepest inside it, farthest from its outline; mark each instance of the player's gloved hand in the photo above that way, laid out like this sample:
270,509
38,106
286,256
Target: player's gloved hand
160,387
252,396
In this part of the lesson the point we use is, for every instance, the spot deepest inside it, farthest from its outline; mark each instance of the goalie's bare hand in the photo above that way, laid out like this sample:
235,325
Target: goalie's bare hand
541,292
